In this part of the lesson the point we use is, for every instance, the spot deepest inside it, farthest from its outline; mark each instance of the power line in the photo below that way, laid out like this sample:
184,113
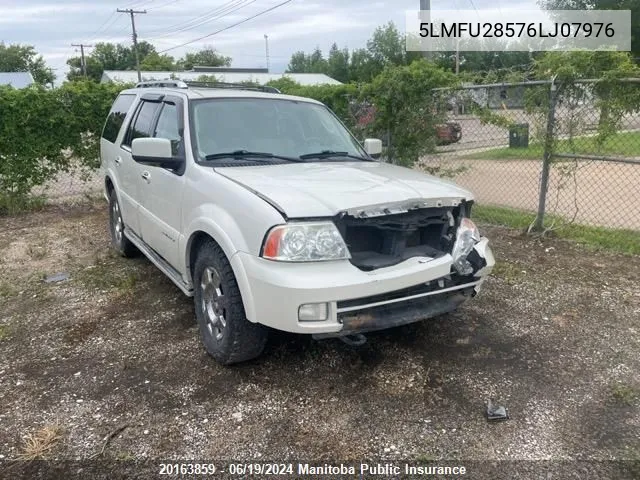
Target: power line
216,13
229,27
102,27
134,34
84,63
163,5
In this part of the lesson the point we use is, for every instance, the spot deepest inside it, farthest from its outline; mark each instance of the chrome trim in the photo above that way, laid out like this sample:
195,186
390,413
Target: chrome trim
411,297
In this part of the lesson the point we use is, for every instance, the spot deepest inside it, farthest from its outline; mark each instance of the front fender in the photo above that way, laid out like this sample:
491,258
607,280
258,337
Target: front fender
225,231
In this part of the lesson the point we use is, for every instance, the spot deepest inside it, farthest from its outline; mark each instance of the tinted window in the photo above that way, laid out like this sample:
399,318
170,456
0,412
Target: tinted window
169,127
281,127
116,117
141,126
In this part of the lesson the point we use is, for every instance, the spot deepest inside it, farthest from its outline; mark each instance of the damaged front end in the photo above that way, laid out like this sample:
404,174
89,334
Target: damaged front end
385,236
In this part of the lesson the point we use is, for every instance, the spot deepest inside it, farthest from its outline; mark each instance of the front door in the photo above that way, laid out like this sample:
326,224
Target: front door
162,189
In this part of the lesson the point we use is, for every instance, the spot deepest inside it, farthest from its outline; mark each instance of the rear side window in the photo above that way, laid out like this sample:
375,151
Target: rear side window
142,123
116,117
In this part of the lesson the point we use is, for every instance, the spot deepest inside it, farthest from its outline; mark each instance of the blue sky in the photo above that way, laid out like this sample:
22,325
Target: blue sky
52,25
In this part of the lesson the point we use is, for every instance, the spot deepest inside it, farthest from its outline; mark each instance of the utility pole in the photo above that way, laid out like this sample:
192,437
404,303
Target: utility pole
266,45
425,5
457,56
135,35
84,63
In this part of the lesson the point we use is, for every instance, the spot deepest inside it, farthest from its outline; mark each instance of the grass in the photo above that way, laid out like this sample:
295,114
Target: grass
14,204
4,332
507,271
617,240
107,274
623,144
624,394
7,290
41,443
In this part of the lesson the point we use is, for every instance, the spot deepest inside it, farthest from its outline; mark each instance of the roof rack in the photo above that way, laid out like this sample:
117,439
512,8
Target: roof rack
236,86
181,84
162,83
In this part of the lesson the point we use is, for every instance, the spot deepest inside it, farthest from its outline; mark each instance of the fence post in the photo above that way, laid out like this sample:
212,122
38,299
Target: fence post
546,160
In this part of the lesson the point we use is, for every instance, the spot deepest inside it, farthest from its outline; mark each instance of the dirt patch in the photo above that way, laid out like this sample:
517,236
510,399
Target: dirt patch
554,335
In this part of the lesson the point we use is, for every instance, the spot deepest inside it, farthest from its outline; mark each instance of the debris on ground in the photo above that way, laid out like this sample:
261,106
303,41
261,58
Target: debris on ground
496,413
57,277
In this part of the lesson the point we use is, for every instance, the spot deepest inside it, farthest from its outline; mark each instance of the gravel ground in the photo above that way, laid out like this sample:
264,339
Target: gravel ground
109,365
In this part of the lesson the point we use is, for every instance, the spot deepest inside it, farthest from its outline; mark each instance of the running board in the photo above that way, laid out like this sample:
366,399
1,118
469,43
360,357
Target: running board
159,262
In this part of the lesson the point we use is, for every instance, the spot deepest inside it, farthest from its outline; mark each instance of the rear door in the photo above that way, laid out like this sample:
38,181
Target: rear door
140,126
113,160
162,188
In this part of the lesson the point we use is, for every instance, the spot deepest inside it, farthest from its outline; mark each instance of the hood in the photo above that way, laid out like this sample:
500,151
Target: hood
326,189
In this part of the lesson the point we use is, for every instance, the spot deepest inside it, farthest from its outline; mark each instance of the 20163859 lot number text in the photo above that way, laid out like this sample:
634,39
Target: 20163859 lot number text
187,469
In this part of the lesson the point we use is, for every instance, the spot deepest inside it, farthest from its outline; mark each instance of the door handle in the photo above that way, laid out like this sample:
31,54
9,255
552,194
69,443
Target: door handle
146,176
118,160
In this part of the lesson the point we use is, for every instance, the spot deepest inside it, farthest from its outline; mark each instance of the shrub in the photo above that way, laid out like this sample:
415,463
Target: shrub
44,132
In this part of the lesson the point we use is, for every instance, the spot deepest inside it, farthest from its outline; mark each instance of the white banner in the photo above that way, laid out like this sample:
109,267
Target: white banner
518,30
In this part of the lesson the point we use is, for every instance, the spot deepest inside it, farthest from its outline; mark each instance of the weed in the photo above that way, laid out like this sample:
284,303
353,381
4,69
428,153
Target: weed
41,443
5,332
624,394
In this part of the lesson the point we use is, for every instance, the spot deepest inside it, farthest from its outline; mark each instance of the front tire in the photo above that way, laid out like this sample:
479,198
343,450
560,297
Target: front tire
226,333
116,226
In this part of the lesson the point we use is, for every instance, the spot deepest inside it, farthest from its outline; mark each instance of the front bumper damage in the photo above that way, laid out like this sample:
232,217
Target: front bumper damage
414,304
359,302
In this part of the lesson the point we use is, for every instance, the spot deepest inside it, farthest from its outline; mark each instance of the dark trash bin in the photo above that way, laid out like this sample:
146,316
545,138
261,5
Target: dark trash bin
519,136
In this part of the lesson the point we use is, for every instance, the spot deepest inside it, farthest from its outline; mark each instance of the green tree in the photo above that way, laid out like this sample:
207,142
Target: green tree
387,46
111,56
299,63
361,67
613,98
633,5
338,64
317,62
23,58
207,57
156,62
407,108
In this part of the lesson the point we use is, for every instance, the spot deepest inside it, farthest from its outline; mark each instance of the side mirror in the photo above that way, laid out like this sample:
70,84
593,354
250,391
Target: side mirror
373,147
155,152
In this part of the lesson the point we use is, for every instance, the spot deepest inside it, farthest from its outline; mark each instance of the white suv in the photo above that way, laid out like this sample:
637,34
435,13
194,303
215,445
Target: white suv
270,213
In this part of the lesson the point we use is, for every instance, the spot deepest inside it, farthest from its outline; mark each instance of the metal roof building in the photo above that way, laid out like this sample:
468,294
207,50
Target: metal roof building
16,79
127,76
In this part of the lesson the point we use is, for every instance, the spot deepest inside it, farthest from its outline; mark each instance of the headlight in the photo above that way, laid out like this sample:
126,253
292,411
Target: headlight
466,238
305,242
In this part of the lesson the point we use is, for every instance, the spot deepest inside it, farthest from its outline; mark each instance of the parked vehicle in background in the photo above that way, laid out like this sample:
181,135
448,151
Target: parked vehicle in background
267,211
448,133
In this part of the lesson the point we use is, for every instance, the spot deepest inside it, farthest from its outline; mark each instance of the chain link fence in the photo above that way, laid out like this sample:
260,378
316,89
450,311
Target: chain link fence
559,153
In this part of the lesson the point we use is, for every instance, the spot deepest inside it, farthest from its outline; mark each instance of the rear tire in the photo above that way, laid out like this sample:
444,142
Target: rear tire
116,226
226,333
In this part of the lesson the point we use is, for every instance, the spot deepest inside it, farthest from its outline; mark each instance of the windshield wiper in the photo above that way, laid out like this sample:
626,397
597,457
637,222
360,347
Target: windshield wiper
244,154
331,154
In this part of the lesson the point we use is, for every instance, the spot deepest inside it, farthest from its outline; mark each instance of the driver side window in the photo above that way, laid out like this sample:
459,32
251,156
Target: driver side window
168,126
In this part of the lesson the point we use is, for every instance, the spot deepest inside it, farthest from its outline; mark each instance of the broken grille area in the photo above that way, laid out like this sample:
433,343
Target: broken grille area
386,240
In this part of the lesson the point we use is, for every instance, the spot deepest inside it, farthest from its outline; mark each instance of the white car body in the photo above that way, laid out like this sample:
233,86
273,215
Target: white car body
166,215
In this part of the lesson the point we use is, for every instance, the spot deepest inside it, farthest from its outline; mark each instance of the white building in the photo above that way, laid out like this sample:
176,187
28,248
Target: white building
128,76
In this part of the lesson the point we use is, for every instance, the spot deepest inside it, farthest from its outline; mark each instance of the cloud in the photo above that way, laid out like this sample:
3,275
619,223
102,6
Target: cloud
53,25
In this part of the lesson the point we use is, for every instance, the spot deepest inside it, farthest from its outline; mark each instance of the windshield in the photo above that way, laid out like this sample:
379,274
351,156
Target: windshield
281,127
